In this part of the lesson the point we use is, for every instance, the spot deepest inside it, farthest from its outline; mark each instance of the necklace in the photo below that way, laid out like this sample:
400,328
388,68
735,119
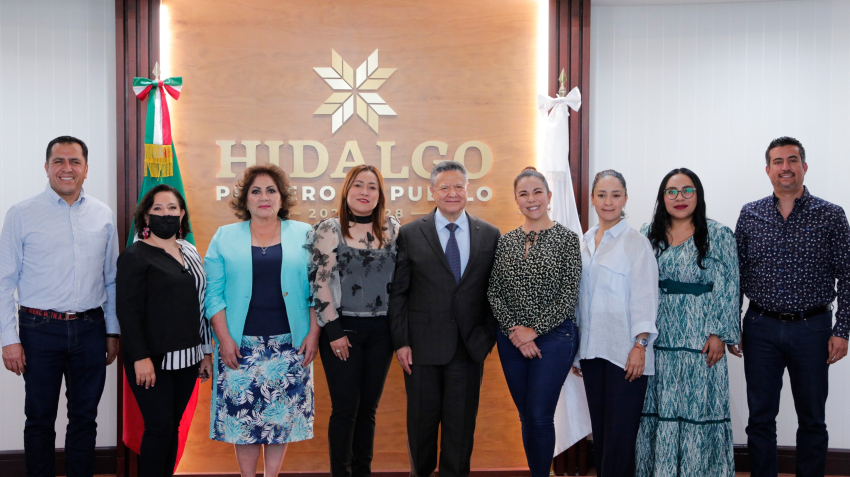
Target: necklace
361,219
271,239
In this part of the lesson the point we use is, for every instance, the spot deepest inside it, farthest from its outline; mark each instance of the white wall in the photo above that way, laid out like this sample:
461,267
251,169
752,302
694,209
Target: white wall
57,77
707,87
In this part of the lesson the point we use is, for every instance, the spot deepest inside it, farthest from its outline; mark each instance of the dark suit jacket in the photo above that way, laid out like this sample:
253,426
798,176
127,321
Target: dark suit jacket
427,308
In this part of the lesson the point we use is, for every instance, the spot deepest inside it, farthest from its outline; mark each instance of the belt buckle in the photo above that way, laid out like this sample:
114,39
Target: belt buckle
70,315
787,317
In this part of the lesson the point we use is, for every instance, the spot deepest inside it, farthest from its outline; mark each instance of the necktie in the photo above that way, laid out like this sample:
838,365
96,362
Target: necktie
453,252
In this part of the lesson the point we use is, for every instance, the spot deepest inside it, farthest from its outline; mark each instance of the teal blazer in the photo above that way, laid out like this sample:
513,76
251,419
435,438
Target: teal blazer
230,277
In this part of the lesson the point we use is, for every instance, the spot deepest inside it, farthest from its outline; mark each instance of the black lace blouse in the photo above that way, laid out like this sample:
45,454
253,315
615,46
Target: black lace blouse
346,280
538,291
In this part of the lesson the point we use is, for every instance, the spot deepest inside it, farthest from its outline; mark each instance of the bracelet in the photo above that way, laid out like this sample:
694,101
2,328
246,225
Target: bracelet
638,346
113,335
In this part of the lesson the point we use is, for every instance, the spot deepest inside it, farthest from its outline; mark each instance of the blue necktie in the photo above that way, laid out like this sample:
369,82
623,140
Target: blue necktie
453,252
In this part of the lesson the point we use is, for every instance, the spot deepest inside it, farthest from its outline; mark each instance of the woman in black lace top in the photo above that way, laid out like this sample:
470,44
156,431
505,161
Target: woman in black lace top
353,260
533,293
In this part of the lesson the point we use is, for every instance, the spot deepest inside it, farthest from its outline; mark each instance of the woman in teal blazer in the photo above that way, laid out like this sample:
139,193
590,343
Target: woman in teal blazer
266,335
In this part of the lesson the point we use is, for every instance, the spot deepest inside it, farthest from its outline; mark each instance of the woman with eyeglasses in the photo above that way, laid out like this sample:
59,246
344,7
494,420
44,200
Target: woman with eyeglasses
685,429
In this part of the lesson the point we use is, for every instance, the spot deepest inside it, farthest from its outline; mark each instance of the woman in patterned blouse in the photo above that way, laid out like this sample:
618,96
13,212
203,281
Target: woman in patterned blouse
353,260
685,429
533,292
159,286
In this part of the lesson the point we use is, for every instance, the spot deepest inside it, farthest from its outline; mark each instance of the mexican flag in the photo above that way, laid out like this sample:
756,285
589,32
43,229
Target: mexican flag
161,167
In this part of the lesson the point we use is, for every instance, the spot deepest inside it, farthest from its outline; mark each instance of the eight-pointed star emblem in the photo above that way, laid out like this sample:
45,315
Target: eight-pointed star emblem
344,80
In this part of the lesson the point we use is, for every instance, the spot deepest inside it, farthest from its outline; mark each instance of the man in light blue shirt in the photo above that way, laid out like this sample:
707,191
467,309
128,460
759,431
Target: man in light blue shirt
58,249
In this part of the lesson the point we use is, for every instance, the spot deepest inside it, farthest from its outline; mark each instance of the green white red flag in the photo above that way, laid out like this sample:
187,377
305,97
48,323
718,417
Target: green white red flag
159,151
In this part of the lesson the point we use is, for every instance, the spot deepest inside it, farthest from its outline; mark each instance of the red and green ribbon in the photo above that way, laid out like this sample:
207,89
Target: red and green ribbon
159,153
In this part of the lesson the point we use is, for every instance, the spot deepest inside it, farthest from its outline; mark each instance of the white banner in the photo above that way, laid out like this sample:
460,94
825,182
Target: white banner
572,418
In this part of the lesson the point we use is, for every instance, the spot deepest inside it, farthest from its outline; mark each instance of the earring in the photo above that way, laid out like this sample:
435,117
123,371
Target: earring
549,207
518,212
180,233
146,232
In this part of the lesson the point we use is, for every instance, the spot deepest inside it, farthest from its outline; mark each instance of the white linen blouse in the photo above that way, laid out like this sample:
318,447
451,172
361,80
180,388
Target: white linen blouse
618,295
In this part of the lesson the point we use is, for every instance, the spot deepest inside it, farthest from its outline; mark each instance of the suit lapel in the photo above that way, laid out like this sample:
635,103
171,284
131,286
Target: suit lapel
474,244
429,229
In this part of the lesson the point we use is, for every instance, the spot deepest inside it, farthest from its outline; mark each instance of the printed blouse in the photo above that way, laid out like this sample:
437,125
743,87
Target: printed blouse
538,290
187,357
348,280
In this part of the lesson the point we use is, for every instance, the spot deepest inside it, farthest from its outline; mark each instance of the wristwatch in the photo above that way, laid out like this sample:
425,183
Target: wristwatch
642,341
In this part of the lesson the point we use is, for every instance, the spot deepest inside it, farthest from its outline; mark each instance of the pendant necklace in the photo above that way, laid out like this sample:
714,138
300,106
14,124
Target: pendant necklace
263,249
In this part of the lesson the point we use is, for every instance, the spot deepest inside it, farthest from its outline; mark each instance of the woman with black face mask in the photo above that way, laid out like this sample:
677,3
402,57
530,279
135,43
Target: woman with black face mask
160,285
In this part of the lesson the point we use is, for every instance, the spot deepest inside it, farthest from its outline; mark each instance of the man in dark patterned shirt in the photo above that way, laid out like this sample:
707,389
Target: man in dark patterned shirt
792,247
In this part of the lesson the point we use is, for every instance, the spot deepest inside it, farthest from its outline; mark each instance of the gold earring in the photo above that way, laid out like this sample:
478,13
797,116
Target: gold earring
518,212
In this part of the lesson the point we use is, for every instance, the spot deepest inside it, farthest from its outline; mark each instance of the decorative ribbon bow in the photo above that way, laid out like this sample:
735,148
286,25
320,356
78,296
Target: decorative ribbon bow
159,152
572,99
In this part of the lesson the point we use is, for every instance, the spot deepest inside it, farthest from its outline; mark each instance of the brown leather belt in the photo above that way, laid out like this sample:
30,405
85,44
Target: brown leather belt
58,315
790,316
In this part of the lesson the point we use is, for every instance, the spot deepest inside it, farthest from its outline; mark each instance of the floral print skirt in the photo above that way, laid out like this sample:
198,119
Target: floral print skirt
268,400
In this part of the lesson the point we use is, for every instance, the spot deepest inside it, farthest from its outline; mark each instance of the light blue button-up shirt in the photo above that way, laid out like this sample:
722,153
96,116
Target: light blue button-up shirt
461,235
58,257
618,297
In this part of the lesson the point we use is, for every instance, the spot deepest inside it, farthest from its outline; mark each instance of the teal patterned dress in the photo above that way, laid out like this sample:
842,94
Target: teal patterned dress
685,428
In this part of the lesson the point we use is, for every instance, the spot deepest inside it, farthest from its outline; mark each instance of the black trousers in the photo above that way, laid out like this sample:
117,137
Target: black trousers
443,396
355,387
615,407
162,407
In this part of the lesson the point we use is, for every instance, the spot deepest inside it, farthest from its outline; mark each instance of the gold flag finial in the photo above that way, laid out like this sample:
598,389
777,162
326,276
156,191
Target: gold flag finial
562,91
156,71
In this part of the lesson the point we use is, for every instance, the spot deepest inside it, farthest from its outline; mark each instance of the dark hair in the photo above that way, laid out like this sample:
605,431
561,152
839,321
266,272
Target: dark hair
144,207
345,214
661,218
67,140
448,166
616,175
785,141
531,172
239,202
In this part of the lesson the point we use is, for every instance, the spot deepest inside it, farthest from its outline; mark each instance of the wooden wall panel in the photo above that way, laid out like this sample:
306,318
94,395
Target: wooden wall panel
465,72
462,75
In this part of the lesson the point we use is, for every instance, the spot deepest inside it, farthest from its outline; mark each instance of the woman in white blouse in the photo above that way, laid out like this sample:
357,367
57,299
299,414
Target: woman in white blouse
618,302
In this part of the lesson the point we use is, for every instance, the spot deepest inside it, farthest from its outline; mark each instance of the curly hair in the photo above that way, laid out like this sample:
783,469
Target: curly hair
239,202
144,206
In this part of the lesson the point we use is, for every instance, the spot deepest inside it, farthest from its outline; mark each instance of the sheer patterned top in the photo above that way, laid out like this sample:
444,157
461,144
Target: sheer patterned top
351,277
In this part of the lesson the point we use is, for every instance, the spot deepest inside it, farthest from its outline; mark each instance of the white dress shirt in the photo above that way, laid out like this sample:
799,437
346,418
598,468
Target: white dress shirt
618,297
461,235
58,257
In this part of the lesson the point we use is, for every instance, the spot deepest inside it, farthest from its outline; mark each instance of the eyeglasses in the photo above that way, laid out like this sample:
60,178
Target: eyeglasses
687,193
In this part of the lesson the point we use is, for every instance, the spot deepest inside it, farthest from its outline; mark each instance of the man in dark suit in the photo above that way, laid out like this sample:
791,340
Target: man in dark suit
442,325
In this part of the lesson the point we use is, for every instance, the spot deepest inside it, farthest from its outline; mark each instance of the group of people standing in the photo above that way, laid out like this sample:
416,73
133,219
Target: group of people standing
645,317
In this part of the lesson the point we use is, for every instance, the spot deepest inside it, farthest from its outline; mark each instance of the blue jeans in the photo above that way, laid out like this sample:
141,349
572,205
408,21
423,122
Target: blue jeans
535,385
76,350
769,347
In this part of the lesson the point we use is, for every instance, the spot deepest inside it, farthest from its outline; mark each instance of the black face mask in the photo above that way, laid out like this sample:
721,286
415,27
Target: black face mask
164,226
